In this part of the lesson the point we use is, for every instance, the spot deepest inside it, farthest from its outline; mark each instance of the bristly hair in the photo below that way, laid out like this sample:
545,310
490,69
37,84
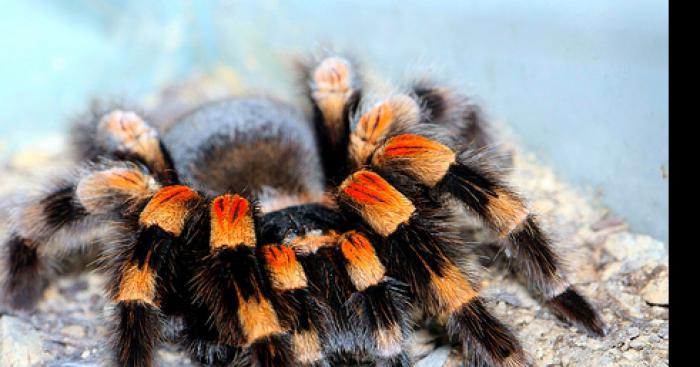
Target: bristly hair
136,332
380,315
484,339
272,351
573,307
455,112
221,272
25,277
361,233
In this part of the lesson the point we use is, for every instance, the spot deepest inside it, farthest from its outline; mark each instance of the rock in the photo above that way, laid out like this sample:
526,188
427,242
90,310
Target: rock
607,223
74,331
172,357
637,344
435,359
634,251
20,344
610,271
633,332
656,291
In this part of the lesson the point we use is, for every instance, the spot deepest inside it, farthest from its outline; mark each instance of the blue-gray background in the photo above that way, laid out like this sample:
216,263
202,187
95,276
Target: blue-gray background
584,84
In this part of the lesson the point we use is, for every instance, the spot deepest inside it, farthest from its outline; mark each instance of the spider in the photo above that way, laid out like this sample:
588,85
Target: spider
284,238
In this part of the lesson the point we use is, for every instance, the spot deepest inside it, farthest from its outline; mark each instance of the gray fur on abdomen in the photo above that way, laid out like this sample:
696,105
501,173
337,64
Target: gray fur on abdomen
245,145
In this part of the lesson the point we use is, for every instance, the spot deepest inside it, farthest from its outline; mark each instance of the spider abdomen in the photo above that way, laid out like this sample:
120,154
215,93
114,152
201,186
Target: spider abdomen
246,144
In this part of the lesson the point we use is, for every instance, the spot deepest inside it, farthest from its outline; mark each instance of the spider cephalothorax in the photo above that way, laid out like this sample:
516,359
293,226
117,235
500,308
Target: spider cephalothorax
281,239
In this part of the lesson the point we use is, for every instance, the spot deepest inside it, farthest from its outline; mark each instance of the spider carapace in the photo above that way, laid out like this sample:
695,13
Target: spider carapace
284,238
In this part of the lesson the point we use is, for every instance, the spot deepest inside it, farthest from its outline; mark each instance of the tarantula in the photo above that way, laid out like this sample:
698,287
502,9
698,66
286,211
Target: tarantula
283,239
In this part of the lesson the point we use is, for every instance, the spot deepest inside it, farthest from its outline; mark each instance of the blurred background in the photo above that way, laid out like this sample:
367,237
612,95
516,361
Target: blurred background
583,85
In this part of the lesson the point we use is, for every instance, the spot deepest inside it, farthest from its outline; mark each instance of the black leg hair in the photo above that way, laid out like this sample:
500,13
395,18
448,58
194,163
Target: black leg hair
202,340
368,310
136,333
455,112
272,351
334,89
136,270
327,277
121,134
527,246
429,161
419,248
200,336
137,316
305,316
230,284
25,276
72,213
77,211
379,305
484,338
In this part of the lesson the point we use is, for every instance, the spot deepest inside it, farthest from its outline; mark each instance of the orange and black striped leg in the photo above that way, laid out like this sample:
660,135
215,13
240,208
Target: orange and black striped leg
137,333
379,306
311,231
229,283
465,177
27,263
483,338
125,135
135,270
334,90
526,244
327,277
419,249
66,218
202,339
374,125
136,314
455,112
25,275
304,315
531,251
199,336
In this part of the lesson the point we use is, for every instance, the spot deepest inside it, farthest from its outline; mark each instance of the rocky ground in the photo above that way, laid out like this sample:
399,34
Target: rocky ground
625,274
